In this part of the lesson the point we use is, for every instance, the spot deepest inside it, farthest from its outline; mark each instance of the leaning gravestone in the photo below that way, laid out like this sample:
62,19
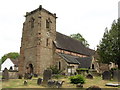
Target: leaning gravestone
116,75
89,76
39,81
47,75
27,76
20,76
25,83
5,74
106,75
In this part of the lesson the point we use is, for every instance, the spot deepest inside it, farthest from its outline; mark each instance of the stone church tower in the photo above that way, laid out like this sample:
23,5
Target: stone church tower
37,50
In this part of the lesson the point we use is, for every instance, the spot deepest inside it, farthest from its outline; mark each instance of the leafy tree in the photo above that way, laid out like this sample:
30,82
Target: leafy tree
11,55
79,37
109,49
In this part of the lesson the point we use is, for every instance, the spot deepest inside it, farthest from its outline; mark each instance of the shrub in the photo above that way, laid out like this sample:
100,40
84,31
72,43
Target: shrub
77,79
55,70
56,76
113,69
83,69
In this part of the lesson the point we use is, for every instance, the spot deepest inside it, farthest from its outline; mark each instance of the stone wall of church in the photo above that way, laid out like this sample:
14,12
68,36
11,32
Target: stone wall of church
66,68
63,63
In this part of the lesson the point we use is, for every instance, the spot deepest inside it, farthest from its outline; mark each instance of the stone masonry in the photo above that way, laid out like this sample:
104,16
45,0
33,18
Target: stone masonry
39,32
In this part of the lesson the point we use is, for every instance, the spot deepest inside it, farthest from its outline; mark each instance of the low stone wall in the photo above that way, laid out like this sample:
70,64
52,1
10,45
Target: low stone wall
13,74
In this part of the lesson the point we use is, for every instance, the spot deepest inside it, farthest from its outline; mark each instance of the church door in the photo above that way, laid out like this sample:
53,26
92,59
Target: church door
31,68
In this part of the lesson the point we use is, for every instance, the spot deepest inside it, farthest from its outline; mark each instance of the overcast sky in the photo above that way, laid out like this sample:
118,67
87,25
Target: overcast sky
87,17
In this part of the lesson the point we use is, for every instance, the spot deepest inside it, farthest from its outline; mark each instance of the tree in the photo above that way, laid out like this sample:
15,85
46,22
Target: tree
109,49
11,55
79,37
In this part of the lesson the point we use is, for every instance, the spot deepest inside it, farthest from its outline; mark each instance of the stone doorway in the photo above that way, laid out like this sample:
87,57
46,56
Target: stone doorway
31,69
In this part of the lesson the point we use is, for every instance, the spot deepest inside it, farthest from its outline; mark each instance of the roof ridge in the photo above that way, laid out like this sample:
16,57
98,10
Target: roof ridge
71,38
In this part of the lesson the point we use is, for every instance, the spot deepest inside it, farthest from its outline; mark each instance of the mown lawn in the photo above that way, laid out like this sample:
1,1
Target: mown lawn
18,83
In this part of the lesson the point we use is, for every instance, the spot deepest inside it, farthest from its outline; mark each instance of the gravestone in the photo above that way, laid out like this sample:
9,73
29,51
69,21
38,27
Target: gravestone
51,83
20,76
35,75
5,74
94,88
25,83
27,76
116,75
47,75
79,85
106,75
39,81
59,83
89,76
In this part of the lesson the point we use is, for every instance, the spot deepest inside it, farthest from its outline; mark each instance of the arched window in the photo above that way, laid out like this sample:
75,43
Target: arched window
59,65
47,24
47,42
93,67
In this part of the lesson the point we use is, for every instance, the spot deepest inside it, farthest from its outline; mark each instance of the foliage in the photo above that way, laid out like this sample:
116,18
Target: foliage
109,49
83,69
79,37
113,69
57,76
11,55
55,70
77,79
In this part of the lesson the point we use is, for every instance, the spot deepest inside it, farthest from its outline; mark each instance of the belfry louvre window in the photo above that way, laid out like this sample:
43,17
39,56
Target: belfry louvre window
47,24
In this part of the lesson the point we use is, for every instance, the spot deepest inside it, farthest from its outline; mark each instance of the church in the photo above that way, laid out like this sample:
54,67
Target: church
42,46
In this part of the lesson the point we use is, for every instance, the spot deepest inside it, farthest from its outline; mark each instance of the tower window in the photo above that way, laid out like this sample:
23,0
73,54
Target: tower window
32,22
47,42
59,65
47,24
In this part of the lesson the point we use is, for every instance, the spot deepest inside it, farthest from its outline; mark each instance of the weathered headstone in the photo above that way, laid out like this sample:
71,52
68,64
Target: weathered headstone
5,74
39,81
94,88
35,75
59,84
27,76
89,76
47,75
116,75
51,83
20,76
79,85
25,83
106,75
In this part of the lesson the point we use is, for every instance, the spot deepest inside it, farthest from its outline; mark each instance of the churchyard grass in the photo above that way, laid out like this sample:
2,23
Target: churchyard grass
18,83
